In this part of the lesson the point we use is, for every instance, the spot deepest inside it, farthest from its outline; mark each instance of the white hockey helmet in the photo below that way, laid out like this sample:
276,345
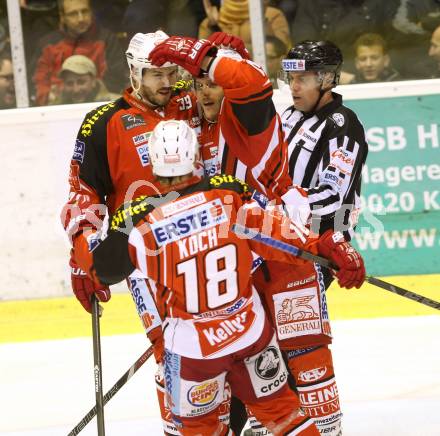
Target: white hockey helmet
173,148
137,53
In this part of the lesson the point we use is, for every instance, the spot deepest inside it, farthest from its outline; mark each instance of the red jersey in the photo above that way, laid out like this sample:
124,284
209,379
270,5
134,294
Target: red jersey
206,297
247,140
110,163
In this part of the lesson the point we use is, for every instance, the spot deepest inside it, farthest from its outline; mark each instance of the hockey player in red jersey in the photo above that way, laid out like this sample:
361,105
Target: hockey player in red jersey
231,122
248,138
215,328
110,162
305,348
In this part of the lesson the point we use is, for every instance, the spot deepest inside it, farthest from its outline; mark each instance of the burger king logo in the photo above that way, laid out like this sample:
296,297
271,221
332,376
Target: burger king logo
203,394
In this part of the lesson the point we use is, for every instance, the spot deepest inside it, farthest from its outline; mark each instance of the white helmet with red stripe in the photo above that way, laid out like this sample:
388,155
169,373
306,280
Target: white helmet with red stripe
173,148
138,51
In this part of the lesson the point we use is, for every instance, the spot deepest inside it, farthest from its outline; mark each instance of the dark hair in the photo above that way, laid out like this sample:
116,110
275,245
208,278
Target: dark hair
279,46
61,6
370,39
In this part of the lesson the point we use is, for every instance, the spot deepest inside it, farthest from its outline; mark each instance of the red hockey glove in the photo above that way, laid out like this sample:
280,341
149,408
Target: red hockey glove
156,338
186,52
350,263
231,41
84,287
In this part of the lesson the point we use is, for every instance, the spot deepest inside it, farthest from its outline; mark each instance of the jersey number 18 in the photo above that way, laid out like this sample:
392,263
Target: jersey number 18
220,271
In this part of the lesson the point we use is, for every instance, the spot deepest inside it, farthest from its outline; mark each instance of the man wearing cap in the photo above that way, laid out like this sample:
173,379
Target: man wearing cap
79,83
78,33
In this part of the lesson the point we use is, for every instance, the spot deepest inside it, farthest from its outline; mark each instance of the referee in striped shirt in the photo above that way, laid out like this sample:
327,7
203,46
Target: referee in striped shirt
326,141
327,150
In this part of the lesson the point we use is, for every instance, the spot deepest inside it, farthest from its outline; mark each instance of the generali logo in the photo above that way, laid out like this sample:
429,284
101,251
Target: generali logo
297,313
296,309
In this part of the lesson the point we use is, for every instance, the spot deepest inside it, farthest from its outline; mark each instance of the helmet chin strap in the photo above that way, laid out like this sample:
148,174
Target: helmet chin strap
136,88
140,96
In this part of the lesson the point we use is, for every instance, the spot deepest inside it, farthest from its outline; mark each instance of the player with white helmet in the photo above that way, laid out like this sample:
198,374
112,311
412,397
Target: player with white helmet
215,328
150,84
173,149
111,164
257,119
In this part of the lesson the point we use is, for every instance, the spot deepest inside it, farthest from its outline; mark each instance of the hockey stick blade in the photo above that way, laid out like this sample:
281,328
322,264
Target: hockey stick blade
283,246
111,393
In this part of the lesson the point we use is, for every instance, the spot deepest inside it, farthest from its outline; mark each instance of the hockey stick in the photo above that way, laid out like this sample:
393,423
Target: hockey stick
97,366
115,388
283,246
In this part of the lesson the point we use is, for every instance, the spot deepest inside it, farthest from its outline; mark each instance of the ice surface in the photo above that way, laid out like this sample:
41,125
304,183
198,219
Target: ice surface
388,372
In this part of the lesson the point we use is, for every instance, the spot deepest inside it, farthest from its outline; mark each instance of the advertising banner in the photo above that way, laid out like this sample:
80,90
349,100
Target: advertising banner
399,229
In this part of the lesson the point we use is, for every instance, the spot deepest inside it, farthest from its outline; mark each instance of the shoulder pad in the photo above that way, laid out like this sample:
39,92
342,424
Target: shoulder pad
129,214
224,181
182,85
181,88
96,116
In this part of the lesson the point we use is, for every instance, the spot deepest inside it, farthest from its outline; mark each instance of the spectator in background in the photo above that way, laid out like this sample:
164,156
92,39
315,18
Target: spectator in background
78,34
233,18
177,17
275,51
434,49
372,61
7,89
417,16
79,83
39,18
342,22
412,25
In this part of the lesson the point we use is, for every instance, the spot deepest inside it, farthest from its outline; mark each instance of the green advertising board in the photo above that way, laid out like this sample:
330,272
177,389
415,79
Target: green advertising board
399,228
